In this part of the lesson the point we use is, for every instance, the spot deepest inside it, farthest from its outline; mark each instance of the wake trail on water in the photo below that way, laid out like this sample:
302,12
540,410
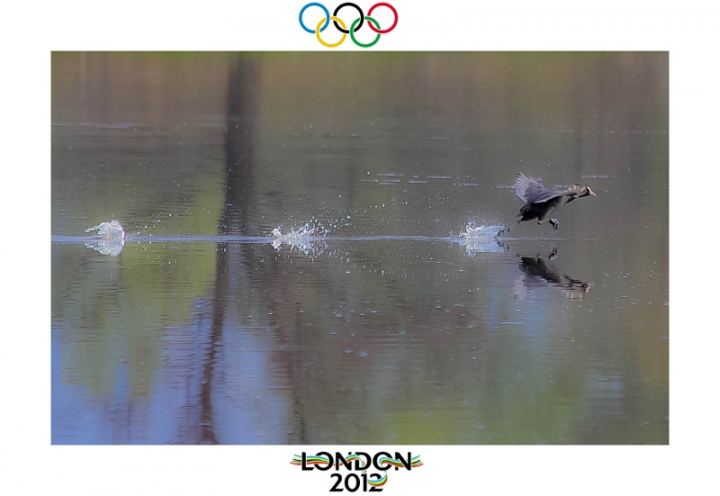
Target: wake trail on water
310,238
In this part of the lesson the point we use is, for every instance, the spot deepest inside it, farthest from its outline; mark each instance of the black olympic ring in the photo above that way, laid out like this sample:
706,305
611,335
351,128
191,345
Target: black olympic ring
349,4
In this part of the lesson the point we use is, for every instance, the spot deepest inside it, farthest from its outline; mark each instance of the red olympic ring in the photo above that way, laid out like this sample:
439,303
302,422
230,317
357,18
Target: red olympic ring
383,4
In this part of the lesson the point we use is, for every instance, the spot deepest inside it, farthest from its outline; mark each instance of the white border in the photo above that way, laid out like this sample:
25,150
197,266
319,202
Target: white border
687,30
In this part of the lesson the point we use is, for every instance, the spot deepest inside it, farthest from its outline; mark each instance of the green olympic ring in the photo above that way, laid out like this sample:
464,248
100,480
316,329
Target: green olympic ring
352,32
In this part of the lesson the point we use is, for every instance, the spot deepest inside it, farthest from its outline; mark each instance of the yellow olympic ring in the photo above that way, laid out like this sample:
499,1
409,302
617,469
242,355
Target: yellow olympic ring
317,32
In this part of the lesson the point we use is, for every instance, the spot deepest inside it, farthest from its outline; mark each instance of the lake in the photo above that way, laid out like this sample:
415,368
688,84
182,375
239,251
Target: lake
310,254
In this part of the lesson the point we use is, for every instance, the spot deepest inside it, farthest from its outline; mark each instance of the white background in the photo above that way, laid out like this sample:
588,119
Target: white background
30,31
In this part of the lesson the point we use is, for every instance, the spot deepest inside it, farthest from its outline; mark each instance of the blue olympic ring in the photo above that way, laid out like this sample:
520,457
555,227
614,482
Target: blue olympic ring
327,17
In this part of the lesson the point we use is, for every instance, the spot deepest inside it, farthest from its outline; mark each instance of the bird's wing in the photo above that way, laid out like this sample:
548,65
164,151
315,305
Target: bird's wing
522,182
531,190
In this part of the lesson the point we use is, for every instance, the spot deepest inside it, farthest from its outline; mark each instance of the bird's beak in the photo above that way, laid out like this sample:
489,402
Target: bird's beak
591,192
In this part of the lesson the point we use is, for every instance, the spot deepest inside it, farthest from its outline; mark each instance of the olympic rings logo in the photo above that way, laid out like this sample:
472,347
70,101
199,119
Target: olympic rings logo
354,27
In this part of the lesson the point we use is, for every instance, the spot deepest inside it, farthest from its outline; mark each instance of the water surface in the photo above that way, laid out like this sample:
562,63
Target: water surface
384,326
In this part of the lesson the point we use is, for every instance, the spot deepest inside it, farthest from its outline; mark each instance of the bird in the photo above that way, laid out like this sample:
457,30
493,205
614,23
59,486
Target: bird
540,202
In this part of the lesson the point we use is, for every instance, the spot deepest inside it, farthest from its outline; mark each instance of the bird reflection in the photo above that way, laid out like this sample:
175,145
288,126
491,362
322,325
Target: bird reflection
538,273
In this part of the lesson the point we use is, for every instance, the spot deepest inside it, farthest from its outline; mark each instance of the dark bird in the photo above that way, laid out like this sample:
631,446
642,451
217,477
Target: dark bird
541,202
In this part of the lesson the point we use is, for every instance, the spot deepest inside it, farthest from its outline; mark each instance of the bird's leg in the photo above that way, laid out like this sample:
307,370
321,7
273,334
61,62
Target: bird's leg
554,223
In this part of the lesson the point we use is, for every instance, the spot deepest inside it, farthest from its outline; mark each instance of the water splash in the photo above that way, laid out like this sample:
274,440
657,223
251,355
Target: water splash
110,238
481,239
473,231
309,239
112,230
